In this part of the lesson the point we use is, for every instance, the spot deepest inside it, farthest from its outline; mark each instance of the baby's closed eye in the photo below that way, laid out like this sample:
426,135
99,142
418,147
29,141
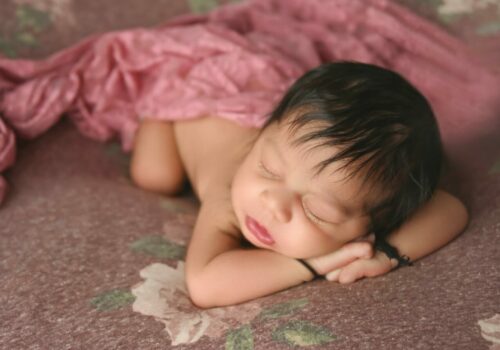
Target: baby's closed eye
323,212
267,171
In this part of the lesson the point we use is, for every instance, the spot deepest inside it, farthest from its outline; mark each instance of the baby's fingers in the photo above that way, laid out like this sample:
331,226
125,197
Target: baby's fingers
361,268
344,256
354,271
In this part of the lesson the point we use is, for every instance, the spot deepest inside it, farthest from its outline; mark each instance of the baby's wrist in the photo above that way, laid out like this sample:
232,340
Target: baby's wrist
390,263
307,265
391,254
394,262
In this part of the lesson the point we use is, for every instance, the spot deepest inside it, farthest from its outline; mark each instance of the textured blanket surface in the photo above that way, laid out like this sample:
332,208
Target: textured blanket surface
88,261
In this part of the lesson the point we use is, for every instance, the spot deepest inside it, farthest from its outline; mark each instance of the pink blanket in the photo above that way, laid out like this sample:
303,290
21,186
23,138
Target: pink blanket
235,63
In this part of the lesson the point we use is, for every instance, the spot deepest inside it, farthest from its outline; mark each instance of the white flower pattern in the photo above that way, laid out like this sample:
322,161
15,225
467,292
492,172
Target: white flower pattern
163,295
490,330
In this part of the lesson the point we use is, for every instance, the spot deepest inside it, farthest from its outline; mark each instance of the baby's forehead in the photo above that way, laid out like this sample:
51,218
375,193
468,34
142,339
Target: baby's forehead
293,134
303,142
288,144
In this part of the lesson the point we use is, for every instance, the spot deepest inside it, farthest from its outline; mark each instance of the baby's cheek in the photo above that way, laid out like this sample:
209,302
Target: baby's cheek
245,192
314,242
237,193
357,228
347,231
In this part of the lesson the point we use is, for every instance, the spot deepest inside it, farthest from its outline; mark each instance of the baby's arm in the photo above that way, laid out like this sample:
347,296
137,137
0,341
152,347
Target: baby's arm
156,164
219,272
431,227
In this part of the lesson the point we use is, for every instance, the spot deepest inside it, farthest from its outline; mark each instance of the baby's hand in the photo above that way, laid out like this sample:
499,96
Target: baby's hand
378,264
353,261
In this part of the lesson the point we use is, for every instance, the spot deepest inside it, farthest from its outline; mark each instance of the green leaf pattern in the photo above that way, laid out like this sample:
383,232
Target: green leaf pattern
284,309
29,22
159,247
495,169
240,339
302,333
30,18
202,6
112,300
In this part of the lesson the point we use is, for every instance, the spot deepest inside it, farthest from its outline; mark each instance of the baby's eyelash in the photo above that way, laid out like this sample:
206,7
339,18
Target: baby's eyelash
312,216
266,170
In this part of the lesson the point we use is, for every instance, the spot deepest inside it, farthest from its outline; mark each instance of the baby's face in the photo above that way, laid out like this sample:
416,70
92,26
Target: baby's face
281,205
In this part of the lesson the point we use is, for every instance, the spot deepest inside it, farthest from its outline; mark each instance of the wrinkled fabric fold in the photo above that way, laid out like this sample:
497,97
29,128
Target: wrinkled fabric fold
235,63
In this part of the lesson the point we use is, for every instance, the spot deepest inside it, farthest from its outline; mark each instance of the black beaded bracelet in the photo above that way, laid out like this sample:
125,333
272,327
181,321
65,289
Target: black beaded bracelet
310,268
392,253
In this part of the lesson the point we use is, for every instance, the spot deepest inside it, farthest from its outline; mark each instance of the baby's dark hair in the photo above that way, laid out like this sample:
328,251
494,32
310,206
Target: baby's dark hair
384,128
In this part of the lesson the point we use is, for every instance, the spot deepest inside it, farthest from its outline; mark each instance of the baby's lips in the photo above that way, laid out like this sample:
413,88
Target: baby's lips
259,231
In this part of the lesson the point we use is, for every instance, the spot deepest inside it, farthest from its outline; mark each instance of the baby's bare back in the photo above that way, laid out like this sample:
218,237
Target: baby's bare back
211,149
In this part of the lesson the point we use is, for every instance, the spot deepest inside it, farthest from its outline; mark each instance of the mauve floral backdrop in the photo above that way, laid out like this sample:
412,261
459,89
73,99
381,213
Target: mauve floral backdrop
35,28
87,261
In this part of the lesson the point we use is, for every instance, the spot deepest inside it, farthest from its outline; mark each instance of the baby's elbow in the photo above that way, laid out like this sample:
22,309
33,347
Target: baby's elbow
458,212
463,213
199,299
157,179
199,293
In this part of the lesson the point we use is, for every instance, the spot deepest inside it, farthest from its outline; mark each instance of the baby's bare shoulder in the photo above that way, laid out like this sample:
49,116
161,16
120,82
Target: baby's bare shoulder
217,211
214,233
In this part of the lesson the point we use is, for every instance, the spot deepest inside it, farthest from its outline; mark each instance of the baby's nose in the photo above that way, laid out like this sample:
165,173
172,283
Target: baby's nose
279,203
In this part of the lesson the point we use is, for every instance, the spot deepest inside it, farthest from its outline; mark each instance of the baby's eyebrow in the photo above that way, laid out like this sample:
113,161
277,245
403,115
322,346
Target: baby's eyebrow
277,150
347,206
334,201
